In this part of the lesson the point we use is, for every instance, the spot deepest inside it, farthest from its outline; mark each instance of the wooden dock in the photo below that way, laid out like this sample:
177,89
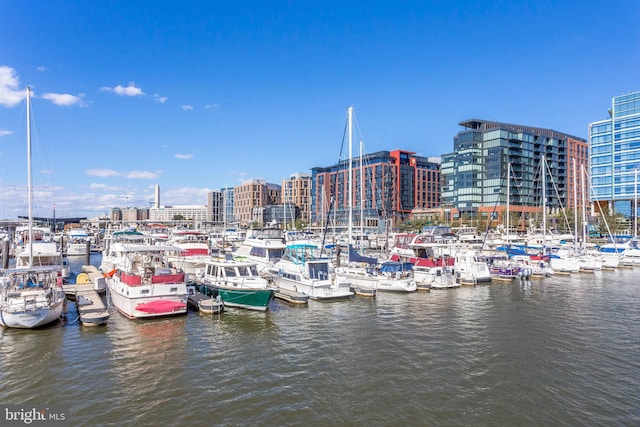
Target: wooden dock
91,309
95,278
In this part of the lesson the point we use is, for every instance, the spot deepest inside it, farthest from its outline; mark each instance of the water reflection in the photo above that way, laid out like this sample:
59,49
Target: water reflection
31,363
556,351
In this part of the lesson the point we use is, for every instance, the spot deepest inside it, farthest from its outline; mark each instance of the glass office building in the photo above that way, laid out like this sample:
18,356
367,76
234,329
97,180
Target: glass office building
491,157
615,155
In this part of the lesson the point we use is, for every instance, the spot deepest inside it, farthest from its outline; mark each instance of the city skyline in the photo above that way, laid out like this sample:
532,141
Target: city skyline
201,97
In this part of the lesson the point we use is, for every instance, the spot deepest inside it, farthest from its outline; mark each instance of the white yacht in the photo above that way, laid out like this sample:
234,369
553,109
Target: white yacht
301,270
264,246
140,280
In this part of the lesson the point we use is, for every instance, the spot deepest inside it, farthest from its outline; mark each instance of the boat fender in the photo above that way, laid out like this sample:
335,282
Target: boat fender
110,274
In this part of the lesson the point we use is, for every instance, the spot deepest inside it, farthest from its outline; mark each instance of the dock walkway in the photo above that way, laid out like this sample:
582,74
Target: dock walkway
91,309
292,296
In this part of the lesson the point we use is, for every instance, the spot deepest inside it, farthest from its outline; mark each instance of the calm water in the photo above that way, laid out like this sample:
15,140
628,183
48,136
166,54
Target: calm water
562,351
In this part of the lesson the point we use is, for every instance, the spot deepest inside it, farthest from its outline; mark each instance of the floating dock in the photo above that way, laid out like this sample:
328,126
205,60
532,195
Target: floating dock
205,304
292,296
91,309
95,277
363,292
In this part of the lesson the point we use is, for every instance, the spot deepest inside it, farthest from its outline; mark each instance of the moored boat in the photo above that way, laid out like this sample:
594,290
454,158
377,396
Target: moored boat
302,270
31,297
31,294
142,284
237,283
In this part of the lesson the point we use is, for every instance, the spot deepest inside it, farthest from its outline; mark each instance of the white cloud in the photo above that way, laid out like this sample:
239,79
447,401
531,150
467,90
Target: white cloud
104,187
130,90
64,99
103,173
10,93
208,106
5,132
248,180
185,196
47,172
42,68
142,175
160,99
187,107
183,156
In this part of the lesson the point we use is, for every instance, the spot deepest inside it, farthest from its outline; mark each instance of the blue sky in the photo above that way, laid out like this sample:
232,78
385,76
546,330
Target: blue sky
198,95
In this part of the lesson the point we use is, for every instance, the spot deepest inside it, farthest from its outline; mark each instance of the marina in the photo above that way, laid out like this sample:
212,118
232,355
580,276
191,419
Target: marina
198,229
551,351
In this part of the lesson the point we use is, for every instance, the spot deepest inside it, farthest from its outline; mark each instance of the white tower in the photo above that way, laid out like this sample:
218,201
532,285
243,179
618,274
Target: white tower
157,195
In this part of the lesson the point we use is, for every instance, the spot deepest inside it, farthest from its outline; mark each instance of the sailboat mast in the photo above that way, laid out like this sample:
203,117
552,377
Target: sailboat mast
361,200
508,195
29,190
635,204
543,166
575,200
584,207
350,187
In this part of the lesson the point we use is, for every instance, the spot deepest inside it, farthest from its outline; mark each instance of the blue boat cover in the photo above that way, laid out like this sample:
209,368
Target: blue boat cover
354,256
393,266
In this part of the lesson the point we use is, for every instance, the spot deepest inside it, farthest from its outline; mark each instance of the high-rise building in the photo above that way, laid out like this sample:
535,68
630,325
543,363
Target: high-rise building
215,206
615,155
385,184
220,206
490,157
297,191
254,193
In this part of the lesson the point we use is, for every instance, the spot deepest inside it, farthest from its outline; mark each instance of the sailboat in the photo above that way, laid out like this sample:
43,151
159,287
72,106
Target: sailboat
365,274
31,296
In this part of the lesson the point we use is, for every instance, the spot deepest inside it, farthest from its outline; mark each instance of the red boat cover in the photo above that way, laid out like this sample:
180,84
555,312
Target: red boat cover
130,279
168,278
428,262
161,306
196,251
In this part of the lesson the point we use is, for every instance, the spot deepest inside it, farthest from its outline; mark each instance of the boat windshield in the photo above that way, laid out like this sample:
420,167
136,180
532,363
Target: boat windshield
319,270
248,270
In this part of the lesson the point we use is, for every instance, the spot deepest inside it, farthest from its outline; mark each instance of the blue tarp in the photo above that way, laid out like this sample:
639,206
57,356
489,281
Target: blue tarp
393,267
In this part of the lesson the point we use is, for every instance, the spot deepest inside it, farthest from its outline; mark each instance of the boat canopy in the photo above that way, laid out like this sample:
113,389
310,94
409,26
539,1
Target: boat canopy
393,267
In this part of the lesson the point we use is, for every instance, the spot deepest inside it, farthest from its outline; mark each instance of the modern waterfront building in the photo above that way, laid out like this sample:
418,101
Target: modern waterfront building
385,184
490,157
297,191
283,216
220,206
254,193
615,155
215,206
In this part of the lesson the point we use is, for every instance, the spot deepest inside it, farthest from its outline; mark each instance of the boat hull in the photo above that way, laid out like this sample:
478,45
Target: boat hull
148,307
249,298
32,318
318,290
